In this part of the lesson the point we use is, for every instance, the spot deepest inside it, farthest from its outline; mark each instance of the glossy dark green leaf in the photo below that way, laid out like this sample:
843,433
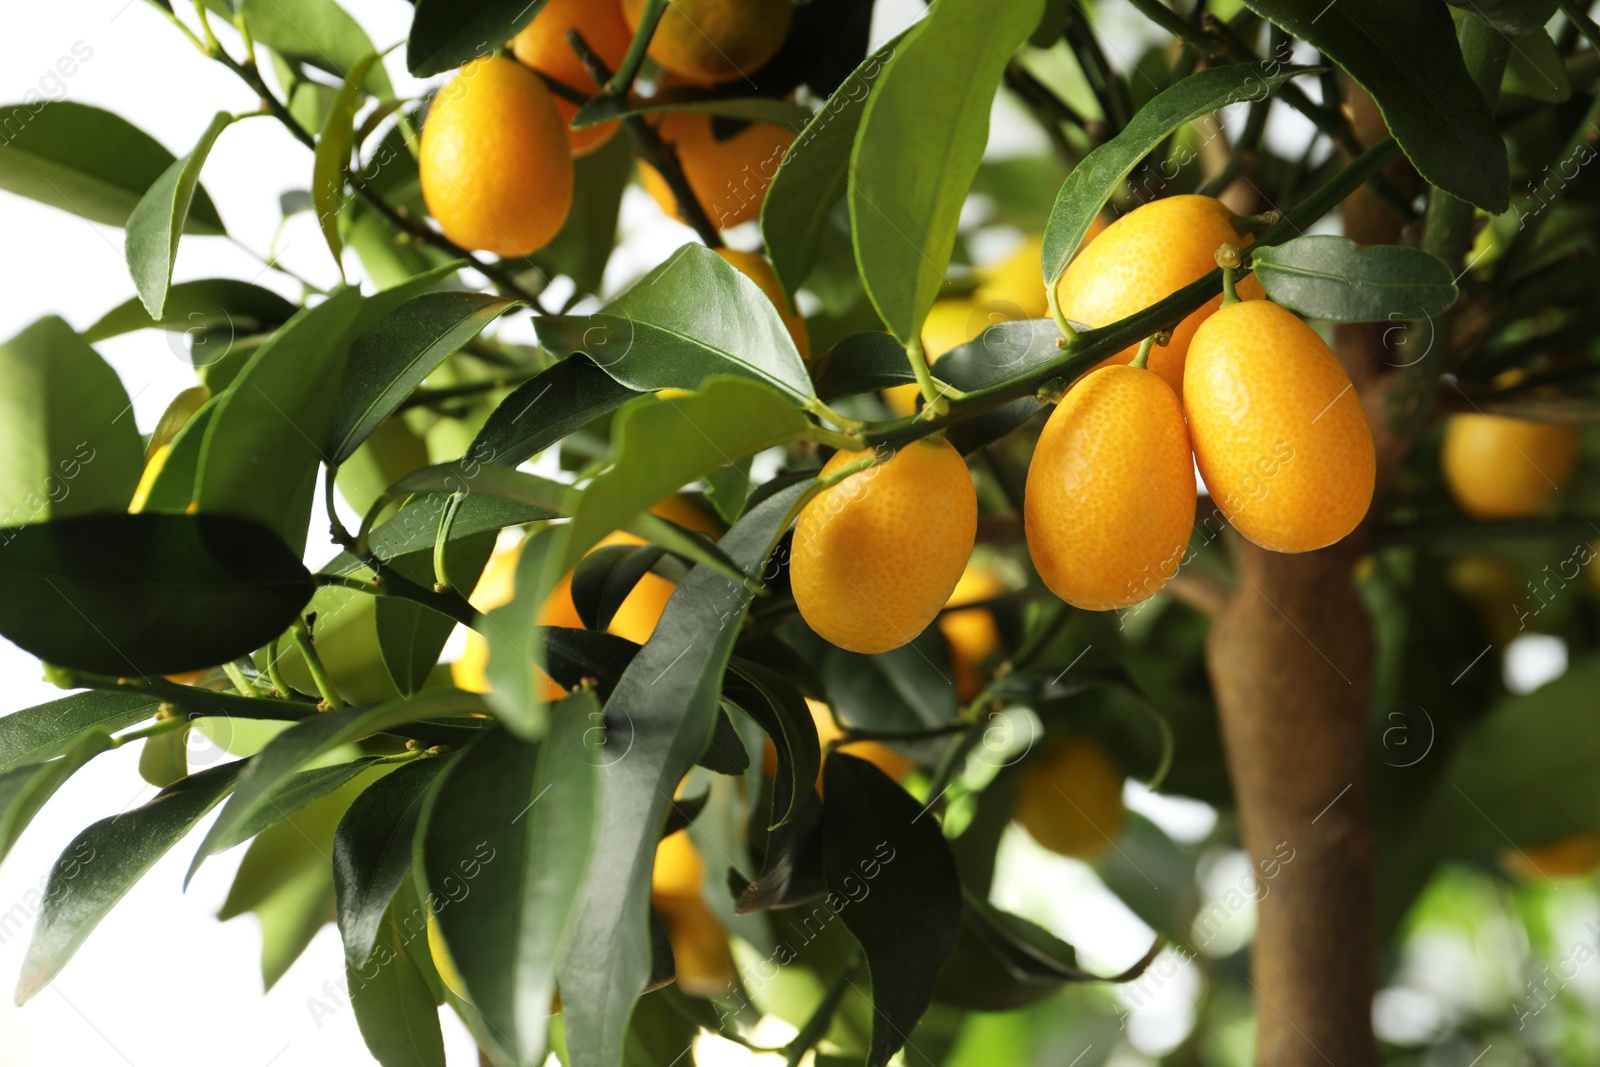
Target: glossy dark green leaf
332,156
444,35
908,688
572,655
921,139
1102,172
659,446
813,175
1404,52
87,161
1002,351
661,715
544,409
779,709
24,790
295,793
514,823
862,363
67,430
310,738
147,594
372,852
388,362
603,579
192,307
690,319
1536,70
415,527
1516,18
726,753
264,443
104,861
1333,278
892,880
393,1005
157,220
315,32
603,109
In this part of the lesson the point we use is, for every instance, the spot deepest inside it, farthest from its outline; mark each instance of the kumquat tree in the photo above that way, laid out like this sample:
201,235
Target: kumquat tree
1071,544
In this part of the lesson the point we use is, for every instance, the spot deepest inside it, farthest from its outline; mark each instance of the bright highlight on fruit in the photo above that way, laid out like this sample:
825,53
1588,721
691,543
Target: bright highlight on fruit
543,46
1502,468
1279,433
876,556
711,41
494,163
1069,798
1145,256
1111,493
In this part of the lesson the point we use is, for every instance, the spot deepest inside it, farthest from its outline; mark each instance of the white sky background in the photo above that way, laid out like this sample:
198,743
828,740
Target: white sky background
161,981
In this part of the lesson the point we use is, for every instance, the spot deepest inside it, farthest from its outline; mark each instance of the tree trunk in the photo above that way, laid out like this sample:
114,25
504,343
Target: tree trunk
1290,658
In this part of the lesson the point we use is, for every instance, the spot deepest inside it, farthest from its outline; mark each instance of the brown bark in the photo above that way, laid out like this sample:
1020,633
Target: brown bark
1291,656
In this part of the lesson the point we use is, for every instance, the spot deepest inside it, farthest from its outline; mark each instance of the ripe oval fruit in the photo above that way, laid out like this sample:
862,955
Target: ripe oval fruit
494,163
1279,433
1110,496
876,556
1069,798
730,177
1502,468
1147,255
754,266
542,45
699,943
710,41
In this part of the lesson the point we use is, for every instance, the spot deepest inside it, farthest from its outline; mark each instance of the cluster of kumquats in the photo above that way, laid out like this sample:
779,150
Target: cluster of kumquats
1241,388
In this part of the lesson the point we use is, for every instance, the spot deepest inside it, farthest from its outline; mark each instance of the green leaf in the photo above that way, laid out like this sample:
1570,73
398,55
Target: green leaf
310,738
515,823
662,715
544,409
1102,172
1516,18
193,307
692,318
333,154
603,109
263,446
779,709
393,1005
444,35
388,362
516,646
921,139
89,162
659,446
372,852
1326,277
147,594
316,32
164,757
297,792
1404,52
1522,777
25,790
1535,69
876,835
604,578
45,731
103,862
173,489
416,526
863,363
156,223
411,635
67,430
813,176
1002,351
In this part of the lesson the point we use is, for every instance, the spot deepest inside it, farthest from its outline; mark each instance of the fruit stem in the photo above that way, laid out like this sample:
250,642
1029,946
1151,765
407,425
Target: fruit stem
933,392
1068,332
164,723
441,579
1228,259
240,682
1244,225
622,80
319,674
844,442
279,686
822,411
855,466
1142,359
